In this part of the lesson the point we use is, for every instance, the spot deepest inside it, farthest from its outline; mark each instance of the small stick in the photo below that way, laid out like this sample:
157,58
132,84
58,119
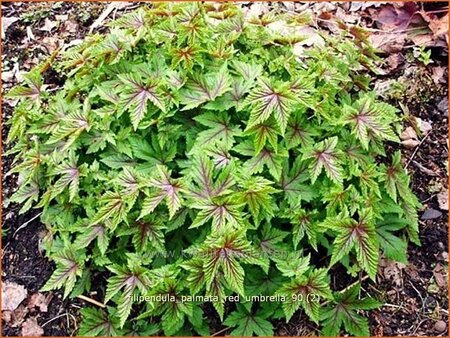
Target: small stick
93,301
26,223
417,148
54,318
219,332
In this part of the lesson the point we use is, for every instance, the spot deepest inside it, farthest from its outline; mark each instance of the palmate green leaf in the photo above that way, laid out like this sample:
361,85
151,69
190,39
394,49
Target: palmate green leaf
69,266
196,276
344,312
324,155
147,234
96,322
303,223
360,235
127,279
247,323
208,182
299,131
368,120
87,235
172,309
216,289
71,127
270,98
306,292
113,211
32,90
135,94
256,194
26,195
266,158
152,153
292,182
70,173
219,130
258,283
225,213
202,88
293,264
396,183
223,254
167,189
271,243
262,133
393,246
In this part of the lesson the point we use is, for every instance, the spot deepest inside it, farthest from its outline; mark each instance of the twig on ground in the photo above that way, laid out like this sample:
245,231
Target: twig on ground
26,223
417,149
420,295
219,332
92,301
112,6
417,327
54,318
423,169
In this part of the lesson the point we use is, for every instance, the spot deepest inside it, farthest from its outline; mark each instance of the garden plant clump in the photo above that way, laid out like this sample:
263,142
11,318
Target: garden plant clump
202,160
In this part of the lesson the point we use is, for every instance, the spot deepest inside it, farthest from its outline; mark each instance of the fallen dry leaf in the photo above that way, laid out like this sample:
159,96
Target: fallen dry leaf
438,273
6,22
438,75
70,26
393,271
424,169
6,316
408,134
12,295
388,42
442,198
17,316
410,144
394,18
39,300
395,60
31,328
424,126
439,26
51,43
49,25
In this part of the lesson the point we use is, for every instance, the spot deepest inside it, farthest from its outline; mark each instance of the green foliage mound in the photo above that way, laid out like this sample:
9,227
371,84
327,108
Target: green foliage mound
192,151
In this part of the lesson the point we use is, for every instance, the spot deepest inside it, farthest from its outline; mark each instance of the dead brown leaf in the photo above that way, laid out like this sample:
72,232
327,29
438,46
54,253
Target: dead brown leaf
395,60
39,300
70,26
388,42
51,43
12,295
392,17
393,271
17,316
439,26
31,328
442,198
424,126
6,22
49,25
438,75
438,273
408,134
